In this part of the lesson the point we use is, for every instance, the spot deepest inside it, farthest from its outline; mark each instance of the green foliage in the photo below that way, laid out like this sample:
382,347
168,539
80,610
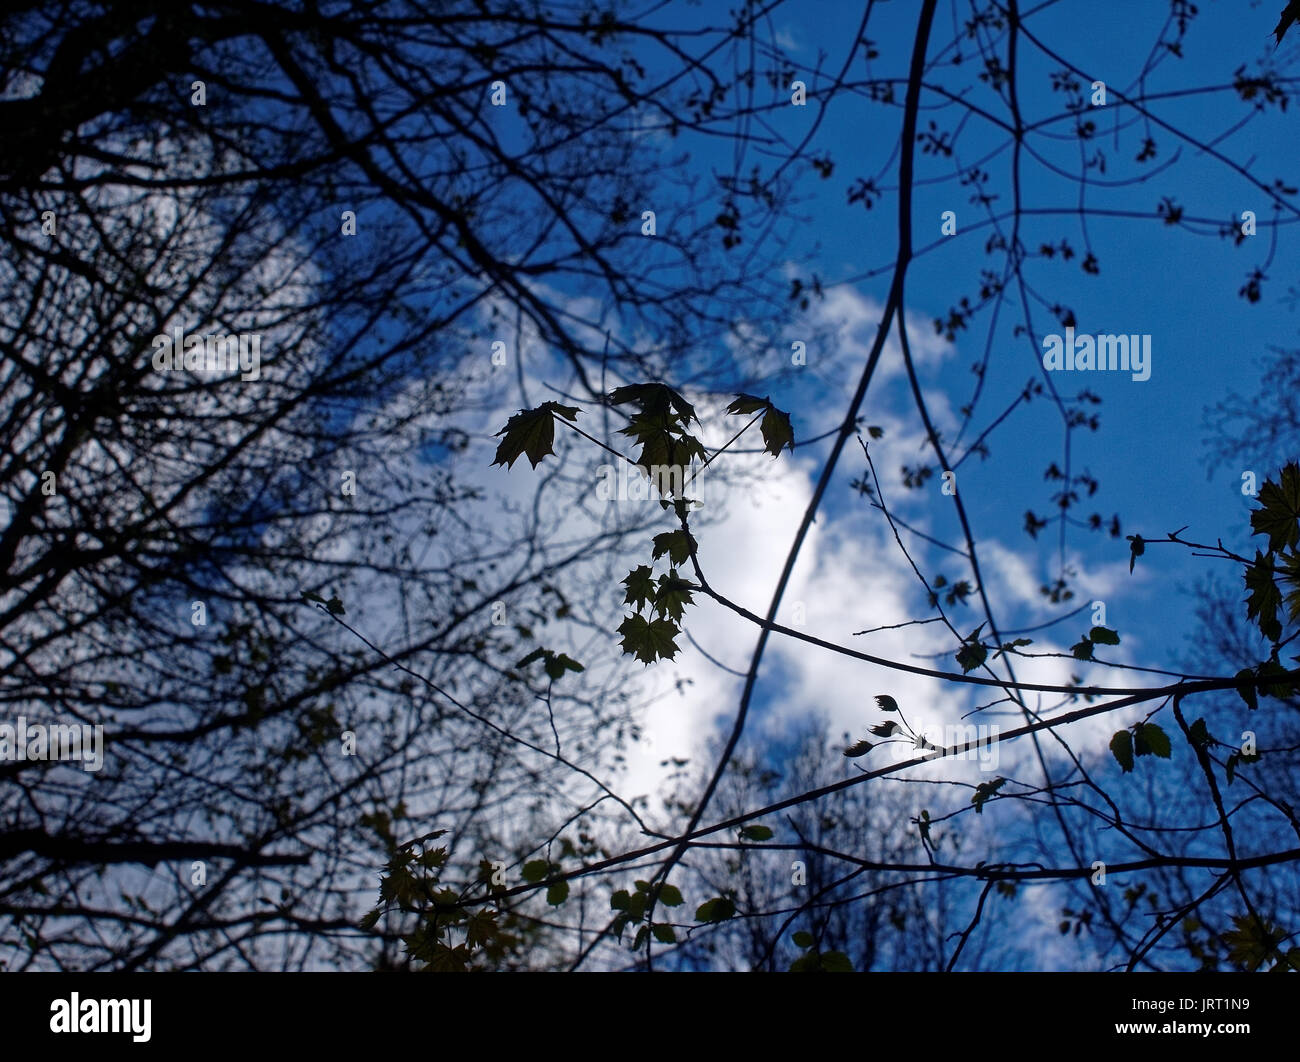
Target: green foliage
1142,739
1082,649
814,961
677,544
1151,740
1012,646
649,640
446,936
634,907
659,427
984,791
1121,747
531,433
640,587
1234,761
1277,518
1254,942
670,896
973,652
1246,687
755,833
673,595
334,605
655,399
555,664
776,428
536,870
1103,636
1263,597
719,909
1279,514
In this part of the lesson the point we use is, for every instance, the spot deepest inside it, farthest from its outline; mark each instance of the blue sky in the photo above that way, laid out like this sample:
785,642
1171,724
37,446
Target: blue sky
1176,283
1179,287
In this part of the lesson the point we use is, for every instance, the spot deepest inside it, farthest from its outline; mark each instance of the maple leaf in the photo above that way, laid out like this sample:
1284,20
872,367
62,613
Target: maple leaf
1279,515
777,431
655,399
640,587
1264,599
677,544
531,432
748,404
649,640
674,595
776,428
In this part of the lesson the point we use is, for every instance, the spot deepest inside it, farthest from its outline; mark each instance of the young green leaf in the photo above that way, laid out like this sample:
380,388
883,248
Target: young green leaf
1007,647
677,544
745,404
558,663
971,655
1279,512
654,398
1151,740
664,934
777,431
984,791
755,833
1246,688
1264,599
640,586
557,893
670,896
535,870
718,909
673,595
649,640
531,433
